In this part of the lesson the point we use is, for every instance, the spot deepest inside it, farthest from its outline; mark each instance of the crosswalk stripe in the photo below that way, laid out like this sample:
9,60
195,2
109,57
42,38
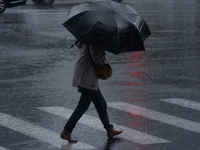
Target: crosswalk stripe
39,133
3,148
93,122
158,116
183,103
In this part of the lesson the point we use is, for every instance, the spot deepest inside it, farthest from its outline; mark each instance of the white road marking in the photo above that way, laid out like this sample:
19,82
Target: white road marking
183,103
39,133
2,148
95,123
158,116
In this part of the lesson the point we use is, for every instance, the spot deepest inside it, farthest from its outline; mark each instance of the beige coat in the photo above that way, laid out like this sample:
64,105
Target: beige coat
84,74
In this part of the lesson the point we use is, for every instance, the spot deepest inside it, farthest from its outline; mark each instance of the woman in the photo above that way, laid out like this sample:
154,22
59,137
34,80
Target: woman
87,83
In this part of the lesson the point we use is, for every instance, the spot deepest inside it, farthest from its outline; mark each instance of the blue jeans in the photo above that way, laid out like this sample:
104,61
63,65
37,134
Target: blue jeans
86,97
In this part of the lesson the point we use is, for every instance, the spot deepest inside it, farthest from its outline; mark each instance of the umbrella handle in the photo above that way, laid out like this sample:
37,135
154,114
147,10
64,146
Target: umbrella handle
77,41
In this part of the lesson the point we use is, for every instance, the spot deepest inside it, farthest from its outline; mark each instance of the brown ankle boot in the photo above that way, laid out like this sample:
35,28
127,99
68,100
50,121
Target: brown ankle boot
112,132
67,136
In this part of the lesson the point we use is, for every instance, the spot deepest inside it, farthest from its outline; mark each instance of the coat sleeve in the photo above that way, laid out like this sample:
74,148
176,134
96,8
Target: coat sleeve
97,57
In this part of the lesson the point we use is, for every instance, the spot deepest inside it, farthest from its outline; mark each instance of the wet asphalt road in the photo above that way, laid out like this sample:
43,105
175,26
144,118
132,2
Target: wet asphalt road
36,68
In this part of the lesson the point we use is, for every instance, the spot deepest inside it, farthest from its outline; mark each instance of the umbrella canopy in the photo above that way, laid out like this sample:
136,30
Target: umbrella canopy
108,25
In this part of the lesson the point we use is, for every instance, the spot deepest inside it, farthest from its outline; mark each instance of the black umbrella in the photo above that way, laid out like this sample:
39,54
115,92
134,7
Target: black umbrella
108,25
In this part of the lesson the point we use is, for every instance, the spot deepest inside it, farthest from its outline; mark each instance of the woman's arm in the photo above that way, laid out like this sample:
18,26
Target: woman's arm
98,56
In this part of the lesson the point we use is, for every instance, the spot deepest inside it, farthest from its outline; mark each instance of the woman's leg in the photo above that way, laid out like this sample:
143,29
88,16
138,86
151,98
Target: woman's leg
101,107
84,102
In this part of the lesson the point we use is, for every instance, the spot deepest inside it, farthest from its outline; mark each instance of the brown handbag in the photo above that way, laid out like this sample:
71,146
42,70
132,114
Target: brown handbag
103,71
